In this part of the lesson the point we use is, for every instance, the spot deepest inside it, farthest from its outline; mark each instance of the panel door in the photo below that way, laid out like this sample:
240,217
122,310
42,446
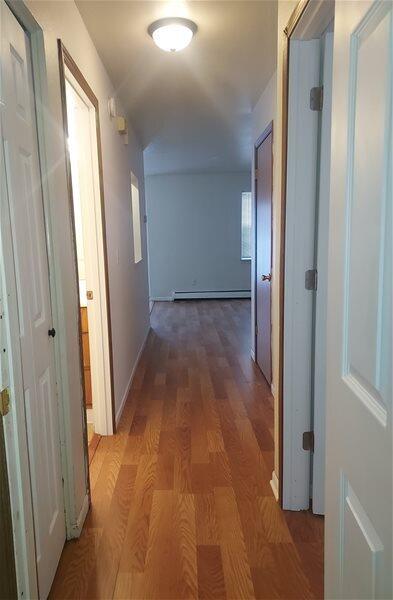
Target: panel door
33,296
359,350
264,165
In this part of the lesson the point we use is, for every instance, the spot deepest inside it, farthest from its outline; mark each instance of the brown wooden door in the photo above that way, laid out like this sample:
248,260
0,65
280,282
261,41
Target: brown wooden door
263,270
86,357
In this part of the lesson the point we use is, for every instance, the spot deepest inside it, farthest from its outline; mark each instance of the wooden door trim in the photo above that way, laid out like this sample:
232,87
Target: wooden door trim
264,135
66,60
7,552
288,31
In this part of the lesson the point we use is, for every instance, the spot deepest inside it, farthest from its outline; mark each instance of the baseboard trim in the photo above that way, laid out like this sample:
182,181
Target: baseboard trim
162,299
253,354
125,396
213,295
275,486
76,528
151,305
89,415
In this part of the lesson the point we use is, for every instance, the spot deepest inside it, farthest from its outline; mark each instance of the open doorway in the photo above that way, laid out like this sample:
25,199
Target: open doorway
263,161
86,199
306,260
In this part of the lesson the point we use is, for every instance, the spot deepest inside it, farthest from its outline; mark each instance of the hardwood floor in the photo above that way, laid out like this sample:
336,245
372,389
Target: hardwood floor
181,501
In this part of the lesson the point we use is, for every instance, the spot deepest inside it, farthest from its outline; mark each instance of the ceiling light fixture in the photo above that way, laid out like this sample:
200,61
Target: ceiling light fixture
172,34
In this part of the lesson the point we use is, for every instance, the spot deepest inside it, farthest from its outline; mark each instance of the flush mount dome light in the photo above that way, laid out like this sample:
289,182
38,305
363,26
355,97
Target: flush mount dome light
172,34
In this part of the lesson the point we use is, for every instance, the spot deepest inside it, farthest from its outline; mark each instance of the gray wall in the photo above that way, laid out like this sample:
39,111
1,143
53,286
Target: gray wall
194,233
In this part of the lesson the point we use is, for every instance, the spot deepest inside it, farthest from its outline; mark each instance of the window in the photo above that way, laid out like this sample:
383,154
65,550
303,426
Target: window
136,218
246,226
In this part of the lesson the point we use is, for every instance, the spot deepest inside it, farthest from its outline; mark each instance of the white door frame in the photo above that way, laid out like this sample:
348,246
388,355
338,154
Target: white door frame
15,421
100,336
304,74
300,221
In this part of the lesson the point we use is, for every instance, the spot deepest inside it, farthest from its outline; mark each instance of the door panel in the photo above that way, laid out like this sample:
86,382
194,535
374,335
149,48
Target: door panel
263,165
34,307
359,356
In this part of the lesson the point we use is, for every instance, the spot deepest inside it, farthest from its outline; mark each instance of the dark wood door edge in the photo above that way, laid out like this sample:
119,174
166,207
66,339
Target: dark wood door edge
8,587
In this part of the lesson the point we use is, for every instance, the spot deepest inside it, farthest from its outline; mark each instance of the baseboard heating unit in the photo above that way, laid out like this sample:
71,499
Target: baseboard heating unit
212,295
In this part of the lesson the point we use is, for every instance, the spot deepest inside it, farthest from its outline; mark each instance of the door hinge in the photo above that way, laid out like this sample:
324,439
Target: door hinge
311,279
316,98
308,441
4,402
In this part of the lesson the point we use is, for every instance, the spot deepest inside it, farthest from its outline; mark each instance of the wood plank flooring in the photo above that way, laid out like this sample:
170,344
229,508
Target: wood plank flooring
181,501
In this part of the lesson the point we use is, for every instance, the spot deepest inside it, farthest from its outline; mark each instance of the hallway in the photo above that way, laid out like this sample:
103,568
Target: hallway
181,501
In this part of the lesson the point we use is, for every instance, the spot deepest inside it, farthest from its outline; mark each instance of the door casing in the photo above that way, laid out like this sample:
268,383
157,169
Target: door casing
309,19
306,249
70,71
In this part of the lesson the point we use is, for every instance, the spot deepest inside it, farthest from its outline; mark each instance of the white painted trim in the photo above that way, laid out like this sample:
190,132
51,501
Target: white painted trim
304,73
274,484
77,527
315,20
162,299
253,354
151,305
128,388
211,295
273,389
320,315
297,392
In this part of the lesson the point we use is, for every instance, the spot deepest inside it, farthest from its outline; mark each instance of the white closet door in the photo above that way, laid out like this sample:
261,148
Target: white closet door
359,322
34,306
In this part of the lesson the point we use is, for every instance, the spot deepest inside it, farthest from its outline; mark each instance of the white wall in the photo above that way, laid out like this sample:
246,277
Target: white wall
128,282
194,232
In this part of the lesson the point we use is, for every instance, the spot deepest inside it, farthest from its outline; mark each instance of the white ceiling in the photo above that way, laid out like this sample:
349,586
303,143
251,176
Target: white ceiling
191,109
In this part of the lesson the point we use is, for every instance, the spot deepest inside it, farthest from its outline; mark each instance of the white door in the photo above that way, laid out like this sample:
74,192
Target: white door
33,296
359,351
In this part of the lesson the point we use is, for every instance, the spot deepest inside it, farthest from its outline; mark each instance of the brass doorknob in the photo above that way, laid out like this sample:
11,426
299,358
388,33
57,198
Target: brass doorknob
267,277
